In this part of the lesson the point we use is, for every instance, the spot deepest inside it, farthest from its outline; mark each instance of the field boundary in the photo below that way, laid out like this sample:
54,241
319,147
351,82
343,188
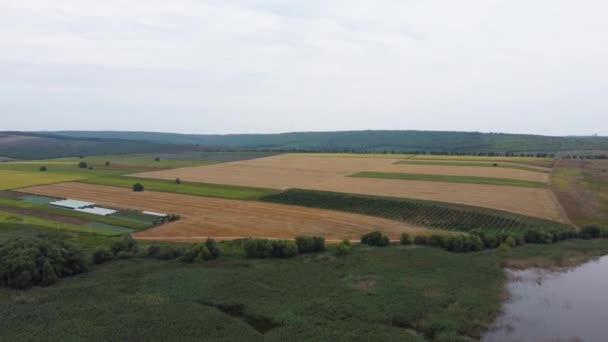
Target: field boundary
450,179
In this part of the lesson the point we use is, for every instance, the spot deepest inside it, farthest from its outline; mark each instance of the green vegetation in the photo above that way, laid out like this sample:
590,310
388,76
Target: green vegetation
375,238
310,244
507,165
186,188
133,161
27,220
138,187
26,262
264,248
421,213
116,219
235,298
373,141
451,179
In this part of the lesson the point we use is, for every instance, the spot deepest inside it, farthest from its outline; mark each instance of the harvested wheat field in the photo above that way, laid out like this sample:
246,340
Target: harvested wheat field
204,217
331,174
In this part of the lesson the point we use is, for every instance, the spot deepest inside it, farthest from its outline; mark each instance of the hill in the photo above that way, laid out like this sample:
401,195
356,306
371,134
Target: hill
397,141
20,145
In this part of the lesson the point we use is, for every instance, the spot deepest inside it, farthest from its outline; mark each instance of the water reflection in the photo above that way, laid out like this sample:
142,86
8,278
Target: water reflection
555,306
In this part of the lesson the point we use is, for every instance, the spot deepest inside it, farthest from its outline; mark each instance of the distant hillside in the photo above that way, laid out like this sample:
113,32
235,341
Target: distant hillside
398,141
19,145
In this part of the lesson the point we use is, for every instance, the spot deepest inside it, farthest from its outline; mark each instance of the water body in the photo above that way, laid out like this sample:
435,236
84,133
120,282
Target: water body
555,306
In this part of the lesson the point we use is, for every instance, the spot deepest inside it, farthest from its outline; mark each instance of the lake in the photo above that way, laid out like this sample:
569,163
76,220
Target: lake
543,305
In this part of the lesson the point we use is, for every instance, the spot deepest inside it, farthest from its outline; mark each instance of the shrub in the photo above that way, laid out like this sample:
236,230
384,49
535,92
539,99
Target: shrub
343,248
474,243
101,256
405,239
375,238
436,240
214,250
257,248
157,159
536,236
138,187
590,232
125,248
504,247
510,242
283,249
178,181
107,163
310,244
26,262
197,253
83,165
43,169
420,240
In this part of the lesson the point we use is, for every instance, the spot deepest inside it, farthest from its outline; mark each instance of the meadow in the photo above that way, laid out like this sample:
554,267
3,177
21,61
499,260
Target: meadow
397,293
506,165
28,221
451,179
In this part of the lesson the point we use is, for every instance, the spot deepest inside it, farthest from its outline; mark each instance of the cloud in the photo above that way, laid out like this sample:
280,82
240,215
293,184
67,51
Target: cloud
276,65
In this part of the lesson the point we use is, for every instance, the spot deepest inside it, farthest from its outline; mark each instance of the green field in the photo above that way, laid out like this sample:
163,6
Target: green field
386,294
426,157
133,160
26,221
429,214
10,179
44,209
476,164
451,179
186,188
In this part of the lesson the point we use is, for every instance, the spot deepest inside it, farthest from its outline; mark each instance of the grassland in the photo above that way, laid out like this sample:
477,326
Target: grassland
420,213
582,188
27,220
373,294
451,179
133,160
476,164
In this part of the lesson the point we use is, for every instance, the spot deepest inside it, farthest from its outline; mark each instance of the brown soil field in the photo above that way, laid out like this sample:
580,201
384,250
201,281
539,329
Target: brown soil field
330,174
204,217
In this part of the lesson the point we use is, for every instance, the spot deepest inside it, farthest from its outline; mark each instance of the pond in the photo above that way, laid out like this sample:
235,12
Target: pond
555,306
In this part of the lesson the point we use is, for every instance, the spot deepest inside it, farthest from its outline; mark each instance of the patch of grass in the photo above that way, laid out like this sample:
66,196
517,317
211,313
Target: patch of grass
10,179
429,214
134,160
451,179
111,220
186,188
27,221
531,160
477,164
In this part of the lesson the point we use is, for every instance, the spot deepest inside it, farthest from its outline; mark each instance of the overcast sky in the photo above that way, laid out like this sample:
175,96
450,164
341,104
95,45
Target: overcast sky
257,66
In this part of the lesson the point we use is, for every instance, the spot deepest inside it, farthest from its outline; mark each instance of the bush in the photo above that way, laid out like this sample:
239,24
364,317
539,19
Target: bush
214,250
178,181
510,242
343,248
83,165
197,253
504,247
310,244
157,159
420,240
590,232
107,163
264,248
436,241
405,239
257,248
138,187
283,249
43,169
535,236
26,262
125,248
375,238
101,256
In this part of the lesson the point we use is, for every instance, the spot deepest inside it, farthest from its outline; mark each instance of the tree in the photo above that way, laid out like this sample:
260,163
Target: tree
375,238
43,169
157,159
83,165
138,187
178,181
107,163
405,239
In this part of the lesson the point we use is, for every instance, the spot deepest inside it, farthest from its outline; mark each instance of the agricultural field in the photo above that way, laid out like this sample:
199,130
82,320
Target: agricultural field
582,188
506,165
204,217
331,173
451,179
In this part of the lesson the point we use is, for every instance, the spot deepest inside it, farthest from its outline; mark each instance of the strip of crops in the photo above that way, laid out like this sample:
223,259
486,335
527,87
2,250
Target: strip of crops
451,179
418,212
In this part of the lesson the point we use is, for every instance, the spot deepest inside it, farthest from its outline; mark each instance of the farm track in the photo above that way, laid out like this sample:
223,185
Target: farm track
330,174
210,217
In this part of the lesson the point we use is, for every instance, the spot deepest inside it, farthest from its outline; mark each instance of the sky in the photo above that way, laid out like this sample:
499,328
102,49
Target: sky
268,66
